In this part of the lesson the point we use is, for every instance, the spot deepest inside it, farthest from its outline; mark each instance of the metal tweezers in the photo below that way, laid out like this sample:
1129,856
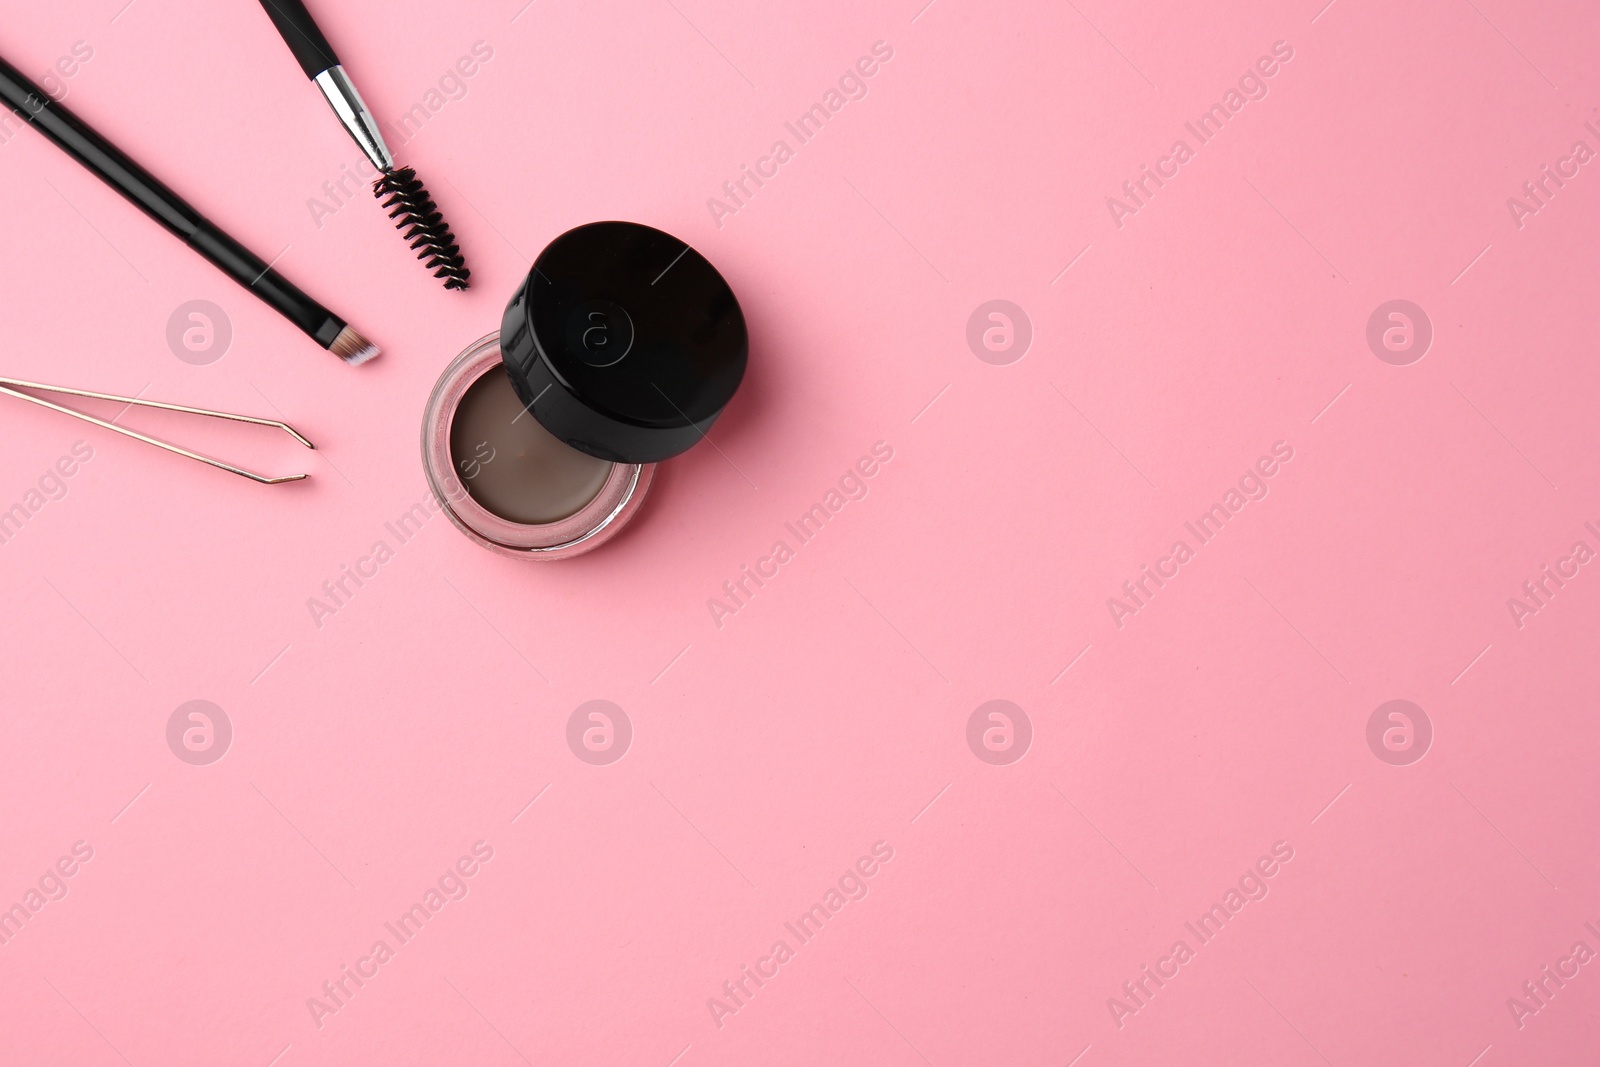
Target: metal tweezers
9,387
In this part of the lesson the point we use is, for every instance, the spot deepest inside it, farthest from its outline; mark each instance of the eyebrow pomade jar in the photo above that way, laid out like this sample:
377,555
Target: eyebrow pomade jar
620,350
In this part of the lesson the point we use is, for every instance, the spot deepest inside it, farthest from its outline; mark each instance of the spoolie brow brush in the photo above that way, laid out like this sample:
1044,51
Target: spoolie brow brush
413,210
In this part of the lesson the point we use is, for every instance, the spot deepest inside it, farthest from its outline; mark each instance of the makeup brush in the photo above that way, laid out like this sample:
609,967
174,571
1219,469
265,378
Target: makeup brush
413,210
138,185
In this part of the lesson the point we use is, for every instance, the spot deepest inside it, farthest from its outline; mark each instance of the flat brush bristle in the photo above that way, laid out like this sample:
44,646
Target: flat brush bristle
353,348
417,217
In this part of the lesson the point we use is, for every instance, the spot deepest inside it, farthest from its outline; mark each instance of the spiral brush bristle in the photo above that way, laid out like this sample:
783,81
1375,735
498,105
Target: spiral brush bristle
417,216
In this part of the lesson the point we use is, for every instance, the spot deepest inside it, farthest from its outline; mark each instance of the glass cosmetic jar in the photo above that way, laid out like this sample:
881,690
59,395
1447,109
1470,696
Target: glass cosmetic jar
570,503
619,350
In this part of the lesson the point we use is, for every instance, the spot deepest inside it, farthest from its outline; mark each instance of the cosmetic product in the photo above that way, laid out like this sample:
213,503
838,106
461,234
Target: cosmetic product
135,183
409,204
12,387
619,350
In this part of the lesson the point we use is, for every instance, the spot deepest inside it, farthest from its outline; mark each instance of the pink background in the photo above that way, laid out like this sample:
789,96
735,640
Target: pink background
830,712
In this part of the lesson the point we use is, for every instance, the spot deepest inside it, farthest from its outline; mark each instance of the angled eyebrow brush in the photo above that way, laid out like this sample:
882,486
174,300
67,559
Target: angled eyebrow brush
75,137
413,210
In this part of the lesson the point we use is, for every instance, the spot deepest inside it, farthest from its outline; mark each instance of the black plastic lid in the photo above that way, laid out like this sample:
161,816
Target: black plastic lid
624,342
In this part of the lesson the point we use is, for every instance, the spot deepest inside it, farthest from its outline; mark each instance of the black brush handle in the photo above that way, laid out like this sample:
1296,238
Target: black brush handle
300,33
138,185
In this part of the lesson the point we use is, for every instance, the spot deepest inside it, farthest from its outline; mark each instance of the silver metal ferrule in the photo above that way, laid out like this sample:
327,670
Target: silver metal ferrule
352,111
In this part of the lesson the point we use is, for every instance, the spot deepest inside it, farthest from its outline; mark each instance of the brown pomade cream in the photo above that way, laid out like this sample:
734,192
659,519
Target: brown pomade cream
512,465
